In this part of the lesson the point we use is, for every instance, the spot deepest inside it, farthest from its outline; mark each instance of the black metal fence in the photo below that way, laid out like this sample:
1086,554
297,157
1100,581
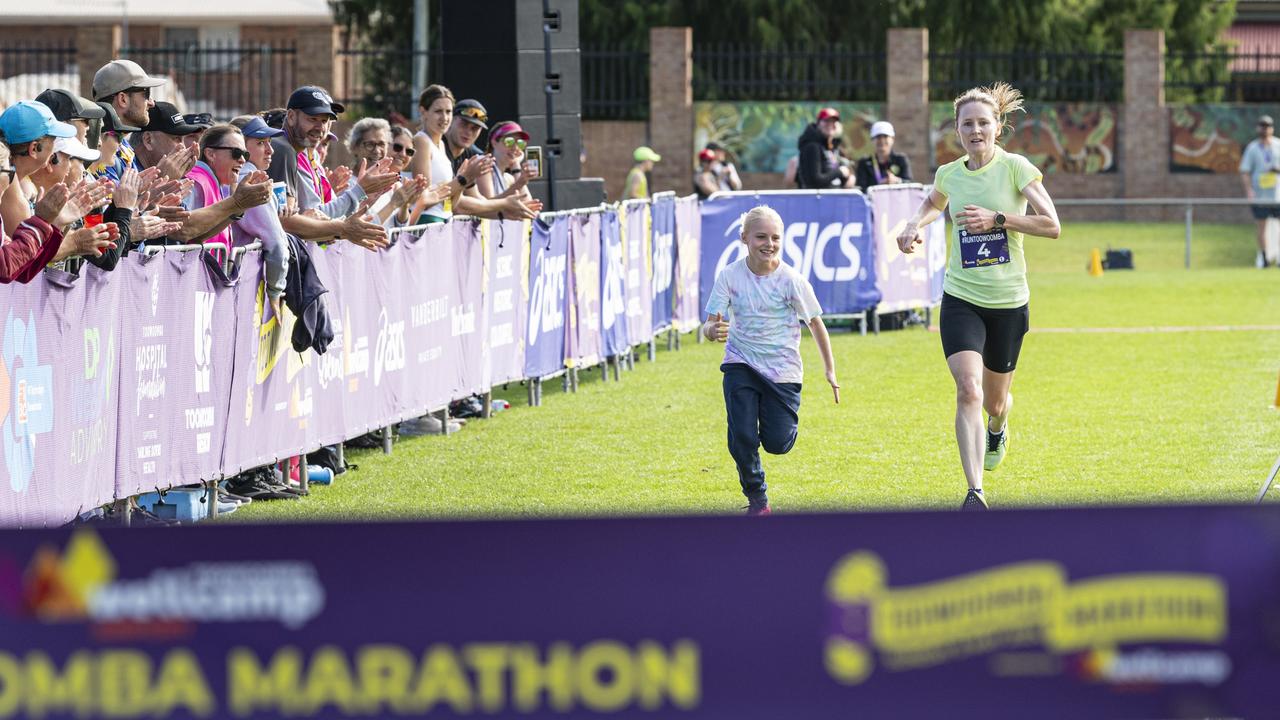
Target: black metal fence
1227,76
1040,76
28,69
222,78
742,71
615,82
380,81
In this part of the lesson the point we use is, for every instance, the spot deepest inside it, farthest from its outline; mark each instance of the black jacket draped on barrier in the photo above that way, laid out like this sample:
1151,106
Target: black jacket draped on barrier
304,295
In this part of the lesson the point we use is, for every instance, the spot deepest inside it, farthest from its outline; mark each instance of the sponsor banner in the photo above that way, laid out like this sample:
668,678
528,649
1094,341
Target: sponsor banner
548,298
584,310
688,264
178,342
884,613
635,223
465,288
906,281
827,238
507,299
613,285
664,260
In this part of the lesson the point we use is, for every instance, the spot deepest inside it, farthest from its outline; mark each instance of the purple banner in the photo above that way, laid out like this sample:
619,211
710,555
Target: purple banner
584,310
906,281
548,298
465,289
636,249
664,261
507,301
613,286
1147,613
687,315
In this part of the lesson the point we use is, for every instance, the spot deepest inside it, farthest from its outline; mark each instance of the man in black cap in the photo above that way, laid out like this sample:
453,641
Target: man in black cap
74,110
164,135
469,120
308,116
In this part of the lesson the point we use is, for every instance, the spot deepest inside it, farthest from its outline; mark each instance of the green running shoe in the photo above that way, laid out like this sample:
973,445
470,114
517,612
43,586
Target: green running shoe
974,501
997,444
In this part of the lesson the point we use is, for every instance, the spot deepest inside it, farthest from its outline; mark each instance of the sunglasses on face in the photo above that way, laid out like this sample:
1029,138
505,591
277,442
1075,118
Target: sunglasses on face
514,142
198,119
146,92
474,114
236,153
405,149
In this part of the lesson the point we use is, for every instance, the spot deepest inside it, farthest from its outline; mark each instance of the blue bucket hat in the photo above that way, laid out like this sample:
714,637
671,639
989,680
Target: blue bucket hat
29,120
258,128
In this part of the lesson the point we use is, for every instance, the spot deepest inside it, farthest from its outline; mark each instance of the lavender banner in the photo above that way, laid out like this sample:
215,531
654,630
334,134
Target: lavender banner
613,286
584,311
548,298
635,224
878,615
341,375
906,281
507,296
687,315
467,329
664,261
172,421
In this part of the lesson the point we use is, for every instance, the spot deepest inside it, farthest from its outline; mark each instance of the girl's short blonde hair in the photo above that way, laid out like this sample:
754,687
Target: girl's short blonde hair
760,212
1002,98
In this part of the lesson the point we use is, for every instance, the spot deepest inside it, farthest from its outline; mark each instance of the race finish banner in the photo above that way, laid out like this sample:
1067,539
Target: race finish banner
907,281
872,615
548,298
827,237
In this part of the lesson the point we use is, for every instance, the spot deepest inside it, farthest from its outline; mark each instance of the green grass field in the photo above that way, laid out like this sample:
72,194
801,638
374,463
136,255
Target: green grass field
1123,417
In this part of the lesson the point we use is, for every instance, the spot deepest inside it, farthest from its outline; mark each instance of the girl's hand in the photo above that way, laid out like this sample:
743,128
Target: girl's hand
835,386
717,328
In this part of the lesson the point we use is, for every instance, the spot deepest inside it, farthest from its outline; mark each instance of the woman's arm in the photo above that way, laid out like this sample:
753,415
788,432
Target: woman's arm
928,211
1043,224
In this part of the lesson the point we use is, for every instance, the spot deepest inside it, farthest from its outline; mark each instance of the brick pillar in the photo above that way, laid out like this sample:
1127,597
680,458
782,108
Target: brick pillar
908,106
317,60
96,45
671,107
1144,123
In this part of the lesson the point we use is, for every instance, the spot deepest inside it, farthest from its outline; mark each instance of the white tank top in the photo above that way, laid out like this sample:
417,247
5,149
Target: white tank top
441,171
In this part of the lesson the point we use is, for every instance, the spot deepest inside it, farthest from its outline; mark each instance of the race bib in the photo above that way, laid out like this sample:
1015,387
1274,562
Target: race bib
1267,180
984,249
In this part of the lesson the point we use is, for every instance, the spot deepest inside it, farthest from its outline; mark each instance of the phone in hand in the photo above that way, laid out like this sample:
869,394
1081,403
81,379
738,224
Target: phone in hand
533,156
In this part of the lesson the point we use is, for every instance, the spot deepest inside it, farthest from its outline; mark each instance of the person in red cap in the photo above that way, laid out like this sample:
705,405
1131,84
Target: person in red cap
704,179
510,174
821,164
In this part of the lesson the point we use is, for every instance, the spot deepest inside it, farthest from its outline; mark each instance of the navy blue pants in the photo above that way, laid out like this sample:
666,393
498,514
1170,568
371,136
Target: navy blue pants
761,413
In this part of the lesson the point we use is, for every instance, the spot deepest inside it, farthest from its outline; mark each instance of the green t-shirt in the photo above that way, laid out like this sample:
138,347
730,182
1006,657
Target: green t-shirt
995,186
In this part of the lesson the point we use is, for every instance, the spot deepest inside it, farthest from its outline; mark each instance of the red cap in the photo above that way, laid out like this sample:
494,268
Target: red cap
828,112
707,155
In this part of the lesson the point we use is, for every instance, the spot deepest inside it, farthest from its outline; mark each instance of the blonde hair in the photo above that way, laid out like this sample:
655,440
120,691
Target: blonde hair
1002,98
760,212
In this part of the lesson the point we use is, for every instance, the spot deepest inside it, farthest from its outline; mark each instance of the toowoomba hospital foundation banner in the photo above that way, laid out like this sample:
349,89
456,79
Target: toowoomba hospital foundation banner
1103,613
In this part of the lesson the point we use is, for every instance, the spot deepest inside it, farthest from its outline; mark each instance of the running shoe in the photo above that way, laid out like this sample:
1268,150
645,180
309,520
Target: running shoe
974,501
997,444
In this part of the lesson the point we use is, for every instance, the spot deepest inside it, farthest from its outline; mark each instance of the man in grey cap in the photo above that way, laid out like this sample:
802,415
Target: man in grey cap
74,110
1259,171
126,88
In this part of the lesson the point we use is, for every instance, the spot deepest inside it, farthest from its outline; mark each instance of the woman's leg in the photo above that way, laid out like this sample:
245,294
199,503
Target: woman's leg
966,369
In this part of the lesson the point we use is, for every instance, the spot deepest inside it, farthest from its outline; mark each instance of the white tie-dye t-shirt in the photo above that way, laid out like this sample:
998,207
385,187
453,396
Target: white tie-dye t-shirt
764,314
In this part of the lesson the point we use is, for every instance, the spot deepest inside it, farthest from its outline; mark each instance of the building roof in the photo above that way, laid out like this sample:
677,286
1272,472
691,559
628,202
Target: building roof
166,12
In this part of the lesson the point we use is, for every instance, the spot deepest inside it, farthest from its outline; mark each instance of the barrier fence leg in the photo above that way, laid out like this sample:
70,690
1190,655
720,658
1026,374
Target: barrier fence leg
604,369
671,340
617,368
342,455
875,321
532,399
538,392
677,339
125,509
1187,260
1267,485
386,440
443,416
653,351
212,494
573,379
862,324
302,471
487,412
564,382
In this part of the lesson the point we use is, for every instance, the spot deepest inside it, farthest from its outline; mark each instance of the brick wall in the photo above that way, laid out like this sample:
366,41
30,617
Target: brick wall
908,88
609,147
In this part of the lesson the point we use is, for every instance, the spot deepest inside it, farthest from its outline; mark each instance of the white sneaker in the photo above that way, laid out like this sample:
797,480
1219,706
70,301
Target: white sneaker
1261,262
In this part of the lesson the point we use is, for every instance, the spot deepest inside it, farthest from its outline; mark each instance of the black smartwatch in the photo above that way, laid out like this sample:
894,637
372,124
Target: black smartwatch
462,180
1000,219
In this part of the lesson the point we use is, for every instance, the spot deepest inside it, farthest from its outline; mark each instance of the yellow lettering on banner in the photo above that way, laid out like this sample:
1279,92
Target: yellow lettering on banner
489,661
1139,608
124,680
441,679
48,692
605,676
674,676
385,672
181,685
10,685
530,678
251,687
329,683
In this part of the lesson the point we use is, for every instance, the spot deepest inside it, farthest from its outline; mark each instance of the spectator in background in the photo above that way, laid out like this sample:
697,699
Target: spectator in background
111,143
510,174
164,136
401,151
430,158
469,120
369,140
73,110
725,173
222,154
637,186
322,150
262,222
821,165
126,88
705,181
884,166
1259,171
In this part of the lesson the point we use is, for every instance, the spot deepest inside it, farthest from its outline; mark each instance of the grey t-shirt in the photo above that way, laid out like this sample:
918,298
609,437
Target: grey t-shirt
1262,161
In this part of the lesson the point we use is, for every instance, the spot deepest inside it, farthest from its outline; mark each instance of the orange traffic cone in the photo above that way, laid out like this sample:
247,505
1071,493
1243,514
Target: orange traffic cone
1278,394
1095,263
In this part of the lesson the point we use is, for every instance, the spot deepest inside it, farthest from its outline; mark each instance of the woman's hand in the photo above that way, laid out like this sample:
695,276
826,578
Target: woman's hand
909,238
976,219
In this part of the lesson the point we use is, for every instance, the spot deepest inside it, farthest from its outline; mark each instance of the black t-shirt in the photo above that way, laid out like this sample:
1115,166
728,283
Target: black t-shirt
457,158
868,172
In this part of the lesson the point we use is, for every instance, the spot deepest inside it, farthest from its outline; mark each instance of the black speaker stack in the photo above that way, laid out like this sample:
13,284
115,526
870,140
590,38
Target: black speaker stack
508,54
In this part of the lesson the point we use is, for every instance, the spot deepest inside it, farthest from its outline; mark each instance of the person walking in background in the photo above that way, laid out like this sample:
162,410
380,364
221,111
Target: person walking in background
821,165
985,311
1259,170
637,187
884,166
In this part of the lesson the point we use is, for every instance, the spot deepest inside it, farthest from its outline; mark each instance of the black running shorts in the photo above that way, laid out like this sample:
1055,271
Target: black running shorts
994,332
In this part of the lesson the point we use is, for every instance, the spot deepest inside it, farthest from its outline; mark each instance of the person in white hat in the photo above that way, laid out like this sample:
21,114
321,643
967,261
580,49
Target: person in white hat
884,166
